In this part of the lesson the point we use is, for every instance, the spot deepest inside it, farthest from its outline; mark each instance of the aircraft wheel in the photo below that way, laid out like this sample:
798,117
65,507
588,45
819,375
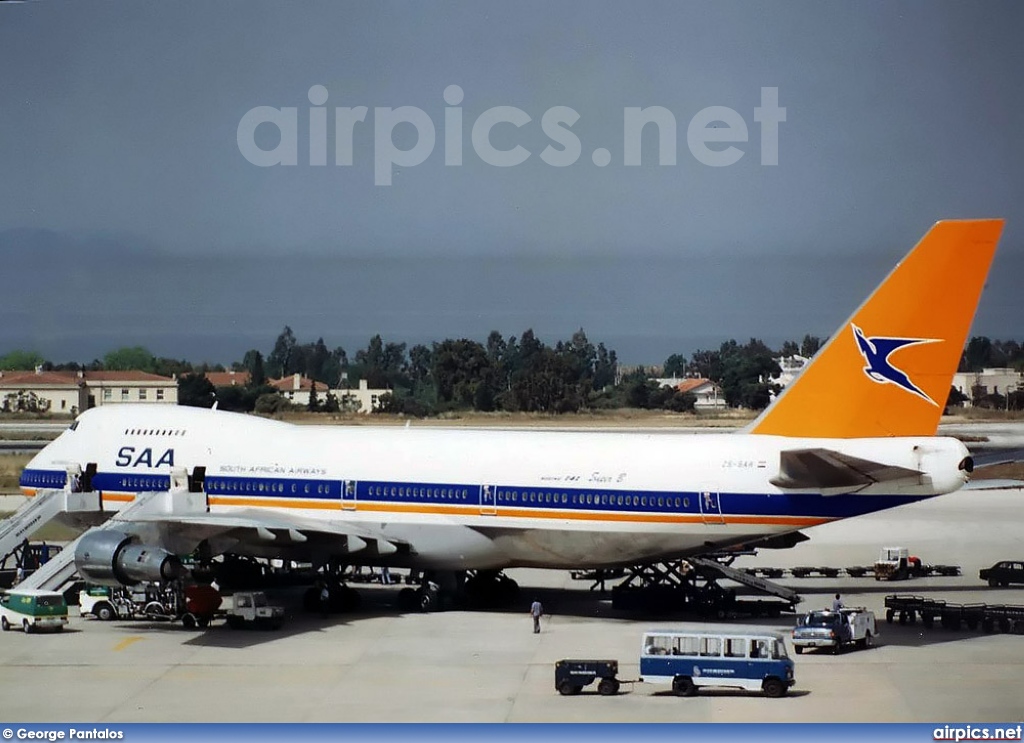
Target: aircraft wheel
311,599
429,597
348,599
407,599
509,589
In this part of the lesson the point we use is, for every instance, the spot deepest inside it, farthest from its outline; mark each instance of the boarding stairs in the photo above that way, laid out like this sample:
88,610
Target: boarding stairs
40,510
59,571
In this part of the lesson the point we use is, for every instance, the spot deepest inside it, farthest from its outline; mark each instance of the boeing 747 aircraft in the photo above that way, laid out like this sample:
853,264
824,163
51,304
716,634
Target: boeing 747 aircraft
854,434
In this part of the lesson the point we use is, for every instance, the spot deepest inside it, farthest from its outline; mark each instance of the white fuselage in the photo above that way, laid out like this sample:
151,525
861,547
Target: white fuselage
489,499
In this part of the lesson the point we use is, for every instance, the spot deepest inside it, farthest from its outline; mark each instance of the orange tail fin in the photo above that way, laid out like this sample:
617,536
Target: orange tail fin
887,370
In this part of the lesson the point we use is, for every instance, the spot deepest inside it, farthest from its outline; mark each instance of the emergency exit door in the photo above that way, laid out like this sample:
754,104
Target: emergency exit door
711,508
348,495
488,500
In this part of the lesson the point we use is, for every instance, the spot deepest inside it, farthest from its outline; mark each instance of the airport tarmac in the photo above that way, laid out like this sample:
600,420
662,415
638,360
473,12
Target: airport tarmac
379,665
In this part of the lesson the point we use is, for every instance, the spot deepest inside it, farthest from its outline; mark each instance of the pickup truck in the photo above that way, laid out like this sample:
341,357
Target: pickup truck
835,629
251,609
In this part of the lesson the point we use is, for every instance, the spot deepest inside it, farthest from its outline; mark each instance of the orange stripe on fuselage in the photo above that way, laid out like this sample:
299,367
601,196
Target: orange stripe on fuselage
475,510
525,513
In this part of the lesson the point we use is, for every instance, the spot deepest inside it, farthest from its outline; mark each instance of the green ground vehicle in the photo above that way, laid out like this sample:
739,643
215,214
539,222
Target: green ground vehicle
33,609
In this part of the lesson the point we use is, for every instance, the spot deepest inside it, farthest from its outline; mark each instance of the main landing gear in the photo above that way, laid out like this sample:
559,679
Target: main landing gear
442,589
340,598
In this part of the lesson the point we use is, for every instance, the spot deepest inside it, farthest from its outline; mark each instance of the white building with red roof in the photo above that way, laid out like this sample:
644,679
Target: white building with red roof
296,389
707,393
107,387
68,392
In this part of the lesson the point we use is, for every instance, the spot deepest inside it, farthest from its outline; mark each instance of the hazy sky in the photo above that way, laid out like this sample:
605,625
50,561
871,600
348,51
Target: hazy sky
129,213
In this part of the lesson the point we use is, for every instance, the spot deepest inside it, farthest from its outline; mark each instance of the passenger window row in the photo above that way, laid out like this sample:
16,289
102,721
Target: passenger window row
244,485
594,499
503,497
145,484
153,432
44,479
400,491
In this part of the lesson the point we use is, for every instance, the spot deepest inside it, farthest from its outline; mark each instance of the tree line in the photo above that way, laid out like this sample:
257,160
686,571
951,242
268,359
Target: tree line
514,373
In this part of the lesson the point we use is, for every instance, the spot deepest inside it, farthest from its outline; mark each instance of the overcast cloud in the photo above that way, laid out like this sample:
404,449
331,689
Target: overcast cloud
128,213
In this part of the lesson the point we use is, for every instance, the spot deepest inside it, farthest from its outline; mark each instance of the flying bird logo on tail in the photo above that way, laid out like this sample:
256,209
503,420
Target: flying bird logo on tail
876,351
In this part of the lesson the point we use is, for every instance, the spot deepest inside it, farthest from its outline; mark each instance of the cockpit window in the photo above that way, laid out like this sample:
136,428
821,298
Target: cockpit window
74,425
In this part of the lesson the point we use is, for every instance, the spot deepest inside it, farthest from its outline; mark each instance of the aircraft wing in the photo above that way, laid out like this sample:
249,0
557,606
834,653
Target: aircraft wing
830,470
259,528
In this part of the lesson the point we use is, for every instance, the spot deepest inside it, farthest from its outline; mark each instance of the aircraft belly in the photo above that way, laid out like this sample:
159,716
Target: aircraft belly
593,548
489,545
493,542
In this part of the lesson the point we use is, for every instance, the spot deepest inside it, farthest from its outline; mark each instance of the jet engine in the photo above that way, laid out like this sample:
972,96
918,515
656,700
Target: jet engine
113,558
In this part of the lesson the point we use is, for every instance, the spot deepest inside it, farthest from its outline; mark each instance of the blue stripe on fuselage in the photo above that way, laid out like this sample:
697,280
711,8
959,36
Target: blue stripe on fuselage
583,499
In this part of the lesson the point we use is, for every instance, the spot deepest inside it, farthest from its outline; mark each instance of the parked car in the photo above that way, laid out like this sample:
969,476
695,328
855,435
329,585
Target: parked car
1004,573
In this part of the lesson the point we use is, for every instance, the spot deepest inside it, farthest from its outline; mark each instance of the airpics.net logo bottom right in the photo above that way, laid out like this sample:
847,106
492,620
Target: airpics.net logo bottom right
712,135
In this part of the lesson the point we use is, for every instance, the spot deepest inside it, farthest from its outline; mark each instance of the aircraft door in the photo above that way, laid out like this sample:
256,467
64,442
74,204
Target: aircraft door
711,508
348,495
488,500
87,476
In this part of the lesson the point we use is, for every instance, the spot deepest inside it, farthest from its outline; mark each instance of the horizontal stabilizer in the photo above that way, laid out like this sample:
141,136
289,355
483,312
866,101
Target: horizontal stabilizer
825,469
995,457
994,485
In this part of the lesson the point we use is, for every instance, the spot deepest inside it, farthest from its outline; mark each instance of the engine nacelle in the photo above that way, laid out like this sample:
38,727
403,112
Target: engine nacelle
111,558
